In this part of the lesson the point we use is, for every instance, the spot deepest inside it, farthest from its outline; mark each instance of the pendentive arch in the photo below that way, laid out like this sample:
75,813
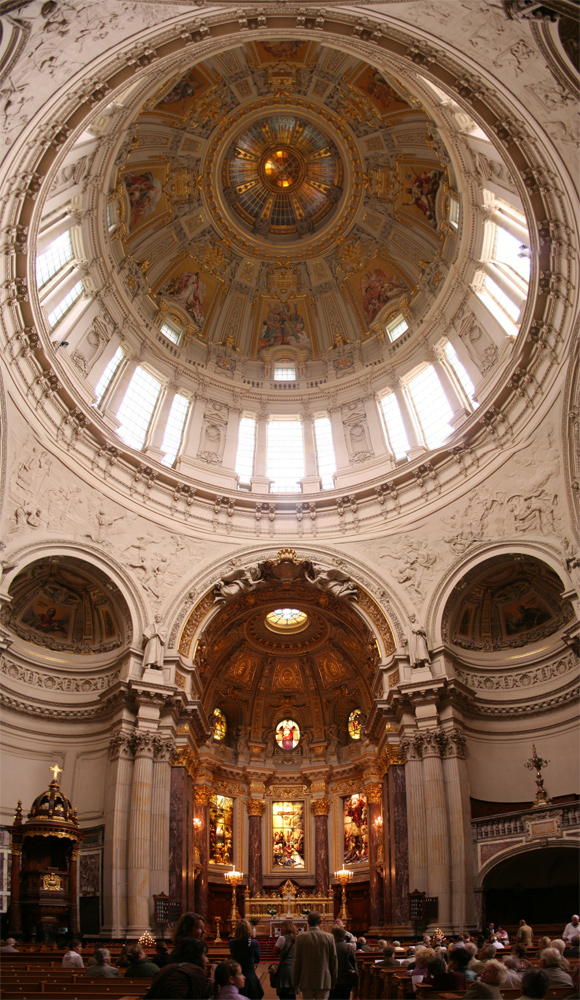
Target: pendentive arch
380,606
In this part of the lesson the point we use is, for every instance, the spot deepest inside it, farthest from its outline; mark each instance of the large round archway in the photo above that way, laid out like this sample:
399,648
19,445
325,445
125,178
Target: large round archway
540,885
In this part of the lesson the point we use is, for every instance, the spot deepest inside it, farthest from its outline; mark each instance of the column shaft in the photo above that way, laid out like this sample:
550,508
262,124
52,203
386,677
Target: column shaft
375,880
255,810
322,876
417,822
261,447
438,840
73,892
459,811
415,445
160,806
139,853
117,808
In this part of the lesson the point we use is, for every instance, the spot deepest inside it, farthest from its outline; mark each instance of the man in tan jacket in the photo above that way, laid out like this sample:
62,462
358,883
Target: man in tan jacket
525,934
315,961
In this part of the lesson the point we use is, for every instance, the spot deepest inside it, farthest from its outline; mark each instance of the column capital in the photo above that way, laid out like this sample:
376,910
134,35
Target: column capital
374,793
184,757
255,807
321,807
454,744
202,794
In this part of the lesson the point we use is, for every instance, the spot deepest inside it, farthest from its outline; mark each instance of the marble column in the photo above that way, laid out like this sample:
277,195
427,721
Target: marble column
139,849
73,891
438,852
117,807
255,809
160,811
202,797
459,812
321,808
396,852
416,817
374,794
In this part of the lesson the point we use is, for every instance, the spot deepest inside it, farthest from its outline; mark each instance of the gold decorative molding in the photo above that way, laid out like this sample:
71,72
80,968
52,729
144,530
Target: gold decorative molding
52,882
202,795
288,791
255,807
374,793
321,807
185,758
391,755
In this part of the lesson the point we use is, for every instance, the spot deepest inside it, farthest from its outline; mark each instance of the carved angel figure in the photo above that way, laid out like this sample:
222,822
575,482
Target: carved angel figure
334,581
236,583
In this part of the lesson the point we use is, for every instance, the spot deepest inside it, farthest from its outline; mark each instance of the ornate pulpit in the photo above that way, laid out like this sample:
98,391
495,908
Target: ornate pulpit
45,850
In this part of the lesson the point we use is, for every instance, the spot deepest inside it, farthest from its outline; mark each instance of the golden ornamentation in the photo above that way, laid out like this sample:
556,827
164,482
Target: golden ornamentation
202,795
52,882
196,616
56,770
368,604
180,681
391,755
288,791
255,807
185,757
374,793
321,807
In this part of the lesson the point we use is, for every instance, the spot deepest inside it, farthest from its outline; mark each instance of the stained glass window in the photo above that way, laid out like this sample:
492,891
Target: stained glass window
288,834
219,724
355,724
356,830
287,734
221,829
286,620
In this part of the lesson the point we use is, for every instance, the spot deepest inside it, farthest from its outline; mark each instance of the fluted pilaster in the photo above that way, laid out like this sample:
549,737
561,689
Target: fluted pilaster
438,853
459,812
139,852
411,749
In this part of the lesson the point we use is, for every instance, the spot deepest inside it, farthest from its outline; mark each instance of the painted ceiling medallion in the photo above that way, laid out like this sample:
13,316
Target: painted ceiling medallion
282,176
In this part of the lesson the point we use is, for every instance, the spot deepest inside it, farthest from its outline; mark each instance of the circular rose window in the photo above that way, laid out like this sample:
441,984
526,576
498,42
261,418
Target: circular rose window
286,620
287,734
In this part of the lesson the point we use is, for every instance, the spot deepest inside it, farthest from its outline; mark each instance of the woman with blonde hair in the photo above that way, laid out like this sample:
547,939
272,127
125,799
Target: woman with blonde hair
245,950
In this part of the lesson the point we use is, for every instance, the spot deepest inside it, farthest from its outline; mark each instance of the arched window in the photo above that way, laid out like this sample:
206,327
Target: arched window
246,449
137,408
285,455
431,406
325,451
174,428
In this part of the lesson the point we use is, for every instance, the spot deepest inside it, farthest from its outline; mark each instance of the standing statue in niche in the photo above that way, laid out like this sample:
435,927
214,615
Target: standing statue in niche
154,638
418,648
333,739
242,735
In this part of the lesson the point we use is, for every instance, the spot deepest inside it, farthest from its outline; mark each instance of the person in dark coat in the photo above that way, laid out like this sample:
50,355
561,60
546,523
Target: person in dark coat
347,977
246,951
284,948
140,967
162,957
186,976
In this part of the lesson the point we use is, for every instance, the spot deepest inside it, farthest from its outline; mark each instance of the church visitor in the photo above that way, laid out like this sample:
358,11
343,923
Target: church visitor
189,925
72,957
186,976
513,980
246,950
102,968
347,978
551,962
140,966
492,977
572,929
535,984
389,961
161,957
502,935
8,948
440,977
230,980
525,934
348,935
284,951
572,951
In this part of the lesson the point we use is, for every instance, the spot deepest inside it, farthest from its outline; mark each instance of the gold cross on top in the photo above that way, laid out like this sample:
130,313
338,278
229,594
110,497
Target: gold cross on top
56,770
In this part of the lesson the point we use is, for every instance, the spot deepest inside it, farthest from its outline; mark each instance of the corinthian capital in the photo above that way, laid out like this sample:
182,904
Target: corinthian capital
321,807
255,807
202,794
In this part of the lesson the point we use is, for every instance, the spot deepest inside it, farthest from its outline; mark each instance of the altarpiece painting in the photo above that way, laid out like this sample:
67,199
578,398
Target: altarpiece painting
356,830
221,829
288,835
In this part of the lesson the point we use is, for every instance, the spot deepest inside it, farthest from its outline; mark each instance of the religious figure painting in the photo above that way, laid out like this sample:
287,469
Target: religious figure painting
288,835
372,83
521,616
419,191
219,725
356,830
144,189
48,618
376,286
192,290
287,734
283,323
182,92
221,829
283,49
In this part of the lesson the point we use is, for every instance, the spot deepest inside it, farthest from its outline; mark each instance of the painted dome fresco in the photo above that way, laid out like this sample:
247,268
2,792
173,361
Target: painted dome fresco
268,186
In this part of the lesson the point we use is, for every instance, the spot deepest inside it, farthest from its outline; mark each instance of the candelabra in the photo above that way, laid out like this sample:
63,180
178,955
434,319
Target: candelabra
218,939
344,876
235,879
536,763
